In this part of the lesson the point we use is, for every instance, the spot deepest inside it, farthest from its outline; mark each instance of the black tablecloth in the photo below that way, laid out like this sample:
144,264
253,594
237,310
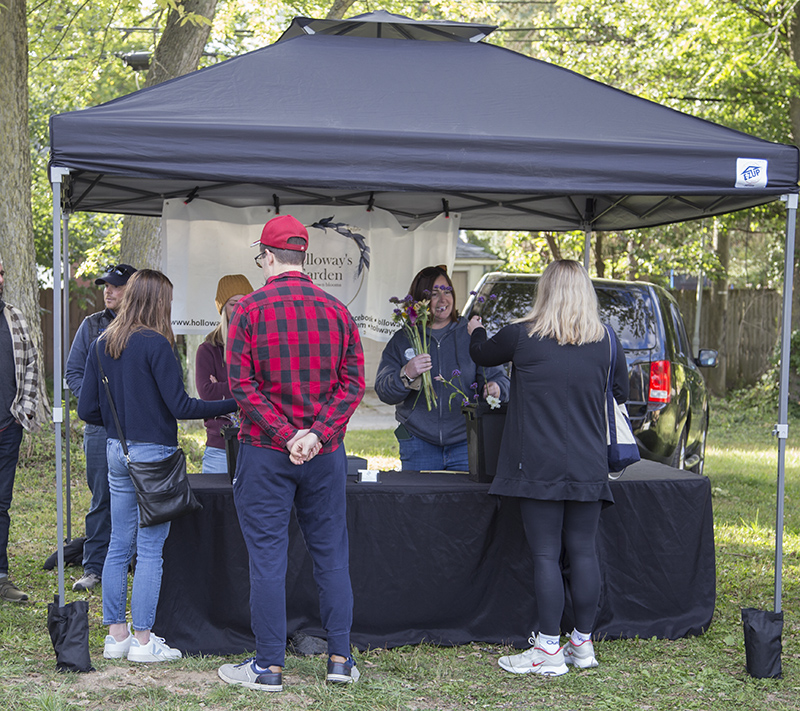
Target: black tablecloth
434,557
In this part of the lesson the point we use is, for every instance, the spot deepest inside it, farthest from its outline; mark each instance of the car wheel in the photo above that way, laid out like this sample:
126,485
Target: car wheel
700,466
679,455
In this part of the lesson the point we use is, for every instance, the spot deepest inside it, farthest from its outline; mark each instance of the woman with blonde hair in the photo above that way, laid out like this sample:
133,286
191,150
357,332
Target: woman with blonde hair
211,374
553,455
146,386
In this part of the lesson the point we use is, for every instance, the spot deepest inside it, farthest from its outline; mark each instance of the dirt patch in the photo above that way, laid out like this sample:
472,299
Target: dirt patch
84,689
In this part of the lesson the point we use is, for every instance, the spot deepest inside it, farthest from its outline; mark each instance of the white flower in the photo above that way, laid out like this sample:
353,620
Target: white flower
494,402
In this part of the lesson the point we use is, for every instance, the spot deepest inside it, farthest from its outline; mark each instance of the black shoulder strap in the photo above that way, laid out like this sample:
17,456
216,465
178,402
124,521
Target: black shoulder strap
111,400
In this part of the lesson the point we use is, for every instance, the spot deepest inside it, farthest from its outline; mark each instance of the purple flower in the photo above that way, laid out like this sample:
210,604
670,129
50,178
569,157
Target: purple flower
493,296
456,373
426,292
473,293
481,299
474,386
465,402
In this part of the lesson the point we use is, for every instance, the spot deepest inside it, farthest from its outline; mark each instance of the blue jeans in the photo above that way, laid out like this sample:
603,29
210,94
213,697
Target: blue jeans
98,520
127,538
215,461
418,455
10,439
264,489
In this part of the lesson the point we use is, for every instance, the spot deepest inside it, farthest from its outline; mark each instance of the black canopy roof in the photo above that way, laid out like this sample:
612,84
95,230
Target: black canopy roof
413,127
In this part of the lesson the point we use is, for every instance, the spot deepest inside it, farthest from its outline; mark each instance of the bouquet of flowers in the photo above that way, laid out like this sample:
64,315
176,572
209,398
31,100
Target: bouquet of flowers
494,402
413,316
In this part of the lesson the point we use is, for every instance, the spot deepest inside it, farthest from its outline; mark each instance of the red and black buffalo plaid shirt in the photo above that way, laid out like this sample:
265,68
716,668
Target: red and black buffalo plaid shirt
294,362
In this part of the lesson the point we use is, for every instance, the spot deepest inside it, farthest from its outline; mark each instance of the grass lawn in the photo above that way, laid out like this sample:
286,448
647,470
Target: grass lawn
705,672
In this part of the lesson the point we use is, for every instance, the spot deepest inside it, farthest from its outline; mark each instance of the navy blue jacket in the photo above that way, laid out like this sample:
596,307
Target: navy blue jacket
91,327
147,387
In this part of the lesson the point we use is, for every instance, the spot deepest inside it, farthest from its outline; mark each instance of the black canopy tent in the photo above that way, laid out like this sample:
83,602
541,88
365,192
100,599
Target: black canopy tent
335,113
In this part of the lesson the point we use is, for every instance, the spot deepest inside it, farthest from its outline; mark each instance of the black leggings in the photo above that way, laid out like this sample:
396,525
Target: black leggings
547,525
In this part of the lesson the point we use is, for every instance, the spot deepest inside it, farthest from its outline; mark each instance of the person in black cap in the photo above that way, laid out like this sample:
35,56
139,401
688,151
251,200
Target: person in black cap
98,520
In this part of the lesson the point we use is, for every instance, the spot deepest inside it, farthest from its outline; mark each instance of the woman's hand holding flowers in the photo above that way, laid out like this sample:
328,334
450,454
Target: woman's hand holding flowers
418,365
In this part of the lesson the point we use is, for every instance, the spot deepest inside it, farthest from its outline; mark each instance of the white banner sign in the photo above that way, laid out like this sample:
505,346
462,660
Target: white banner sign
362,258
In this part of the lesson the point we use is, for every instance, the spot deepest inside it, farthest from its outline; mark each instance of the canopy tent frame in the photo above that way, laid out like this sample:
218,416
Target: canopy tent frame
627,164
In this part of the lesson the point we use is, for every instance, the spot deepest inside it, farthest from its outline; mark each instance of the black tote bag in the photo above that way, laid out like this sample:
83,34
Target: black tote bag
162,488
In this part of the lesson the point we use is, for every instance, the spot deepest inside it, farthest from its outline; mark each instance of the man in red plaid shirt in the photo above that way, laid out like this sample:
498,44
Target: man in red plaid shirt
296,368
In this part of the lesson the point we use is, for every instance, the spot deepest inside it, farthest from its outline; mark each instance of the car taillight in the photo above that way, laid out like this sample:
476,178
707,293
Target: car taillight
659,381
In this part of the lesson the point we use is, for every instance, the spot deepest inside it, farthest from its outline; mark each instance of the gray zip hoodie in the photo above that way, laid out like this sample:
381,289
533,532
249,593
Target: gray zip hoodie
444,425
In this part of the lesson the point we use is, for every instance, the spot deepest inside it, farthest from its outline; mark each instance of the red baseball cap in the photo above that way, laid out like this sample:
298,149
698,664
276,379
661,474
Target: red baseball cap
278,230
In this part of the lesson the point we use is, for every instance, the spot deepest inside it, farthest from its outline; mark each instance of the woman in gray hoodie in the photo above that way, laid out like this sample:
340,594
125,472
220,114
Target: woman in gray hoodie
435,439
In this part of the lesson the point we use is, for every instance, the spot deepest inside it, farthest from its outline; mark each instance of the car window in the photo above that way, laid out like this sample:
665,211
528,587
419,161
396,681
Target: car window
682,346
627,310
503,302
630,313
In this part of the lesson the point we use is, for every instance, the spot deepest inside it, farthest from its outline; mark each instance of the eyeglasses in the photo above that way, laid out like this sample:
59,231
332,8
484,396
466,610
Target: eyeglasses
115,269
259,257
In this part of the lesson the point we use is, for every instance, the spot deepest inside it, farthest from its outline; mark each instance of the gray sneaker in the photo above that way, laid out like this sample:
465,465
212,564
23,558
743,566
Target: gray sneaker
87,582
10,592
244,675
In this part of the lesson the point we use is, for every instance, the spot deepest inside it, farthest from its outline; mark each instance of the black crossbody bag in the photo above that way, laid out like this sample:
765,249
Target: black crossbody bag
162,488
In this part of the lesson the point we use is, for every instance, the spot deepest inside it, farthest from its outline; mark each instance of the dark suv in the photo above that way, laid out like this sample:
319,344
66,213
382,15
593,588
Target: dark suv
668,401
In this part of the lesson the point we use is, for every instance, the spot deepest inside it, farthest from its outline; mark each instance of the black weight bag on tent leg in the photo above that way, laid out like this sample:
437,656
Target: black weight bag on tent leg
69,631
762,642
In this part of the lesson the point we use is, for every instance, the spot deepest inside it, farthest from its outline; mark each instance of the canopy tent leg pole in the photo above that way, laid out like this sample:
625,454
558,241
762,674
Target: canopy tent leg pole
587,246
64,351
782,428
56,176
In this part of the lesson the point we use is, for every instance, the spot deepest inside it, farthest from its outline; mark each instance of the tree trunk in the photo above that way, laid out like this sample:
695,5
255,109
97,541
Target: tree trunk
17,251
633,267
338,8
599,264
178,53
555,250
717,377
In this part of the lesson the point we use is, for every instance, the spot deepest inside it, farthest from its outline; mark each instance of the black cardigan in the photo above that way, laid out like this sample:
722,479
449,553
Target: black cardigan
554,440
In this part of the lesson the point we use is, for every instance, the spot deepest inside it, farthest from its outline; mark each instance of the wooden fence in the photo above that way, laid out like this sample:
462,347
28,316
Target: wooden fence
744,331
81,305
746,337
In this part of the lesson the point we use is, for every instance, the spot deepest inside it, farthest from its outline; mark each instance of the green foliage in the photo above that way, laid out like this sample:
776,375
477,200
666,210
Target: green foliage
726,62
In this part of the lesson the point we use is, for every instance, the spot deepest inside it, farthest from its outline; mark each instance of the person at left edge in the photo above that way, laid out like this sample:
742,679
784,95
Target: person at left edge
98,519
19,396
146,385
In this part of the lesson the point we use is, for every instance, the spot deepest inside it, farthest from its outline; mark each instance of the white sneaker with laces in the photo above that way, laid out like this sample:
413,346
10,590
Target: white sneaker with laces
580,654
535,661
117,650
156,650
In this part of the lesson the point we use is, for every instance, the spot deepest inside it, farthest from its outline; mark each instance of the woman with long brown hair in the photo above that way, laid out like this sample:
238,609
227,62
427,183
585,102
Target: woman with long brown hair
146,384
